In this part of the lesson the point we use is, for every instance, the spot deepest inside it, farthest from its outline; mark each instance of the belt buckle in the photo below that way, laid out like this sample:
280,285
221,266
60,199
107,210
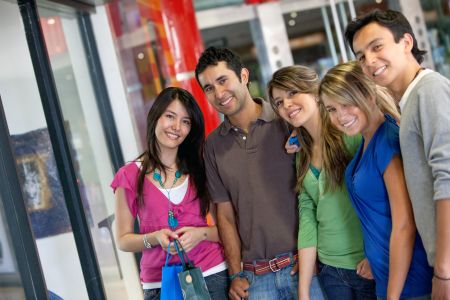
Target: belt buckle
272,263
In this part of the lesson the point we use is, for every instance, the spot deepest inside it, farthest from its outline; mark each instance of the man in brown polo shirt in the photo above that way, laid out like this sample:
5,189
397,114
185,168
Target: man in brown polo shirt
251,179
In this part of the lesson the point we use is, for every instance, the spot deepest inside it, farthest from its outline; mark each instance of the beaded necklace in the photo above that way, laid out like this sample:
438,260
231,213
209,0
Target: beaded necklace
171,220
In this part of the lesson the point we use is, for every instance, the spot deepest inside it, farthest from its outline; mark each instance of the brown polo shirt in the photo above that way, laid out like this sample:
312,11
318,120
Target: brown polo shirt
254,172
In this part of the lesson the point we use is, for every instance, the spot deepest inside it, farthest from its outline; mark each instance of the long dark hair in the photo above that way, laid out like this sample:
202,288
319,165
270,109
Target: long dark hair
190,152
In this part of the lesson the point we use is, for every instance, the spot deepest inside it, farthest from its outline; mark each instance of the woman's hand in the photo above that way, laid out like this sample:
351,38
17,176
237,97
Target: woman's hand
363,269
291,146
164,237
191,236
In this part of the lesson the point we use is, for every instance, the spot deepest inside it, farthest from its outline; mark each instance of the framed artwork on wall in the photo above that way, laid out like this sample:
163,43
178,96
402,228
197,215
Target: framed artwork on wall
41,186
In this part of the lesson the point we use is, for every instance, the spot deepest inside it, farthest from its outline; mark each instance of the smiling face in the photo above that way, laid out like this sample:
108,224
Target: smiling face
173,126
381,58
297,108
349,119
225,91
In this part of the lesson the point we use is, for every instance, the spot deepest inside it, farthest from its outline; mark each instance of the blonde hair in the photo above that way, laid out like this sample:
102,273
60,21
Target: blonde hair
334,154
346,83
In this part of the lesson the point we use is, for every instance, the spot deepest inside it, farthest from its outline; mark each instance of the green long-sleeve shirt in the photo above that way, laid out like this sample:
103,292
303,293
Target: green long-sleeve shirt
328,220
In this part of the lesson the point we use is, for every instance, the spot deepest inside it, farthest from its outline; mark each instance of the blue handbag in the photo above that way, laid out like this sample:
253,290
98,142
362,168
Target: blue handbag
170,285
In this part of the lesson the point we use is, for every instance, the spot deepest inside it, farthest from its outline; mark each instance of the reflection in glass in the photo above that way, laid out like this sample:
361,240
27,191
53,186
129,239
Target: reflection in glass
437,19
86,139
10,283
238,38
313,45
35,163
141,44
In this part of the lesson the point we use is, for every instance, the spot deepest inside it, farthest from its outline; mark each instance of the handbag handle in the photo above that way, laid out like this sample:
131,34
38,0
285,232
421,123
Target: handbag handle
168,254
186,262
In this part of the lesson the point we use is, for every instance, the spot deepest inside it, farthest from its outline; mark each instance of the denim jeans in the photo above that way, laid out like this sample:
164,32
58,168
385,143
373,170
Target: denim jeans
427,297
339,283
279,285
218,285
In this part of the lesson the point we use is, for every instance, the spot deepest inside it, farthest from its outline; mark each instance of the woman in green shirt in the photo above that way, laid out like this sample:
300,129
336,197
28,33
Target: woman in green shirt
329,228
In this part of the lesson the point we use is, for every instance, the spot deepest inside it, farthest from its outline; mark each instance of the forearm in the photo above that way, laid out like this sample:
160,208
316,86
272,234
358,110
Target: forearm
211,233
442,263
231,243
132,242
127,240
400,255
307,263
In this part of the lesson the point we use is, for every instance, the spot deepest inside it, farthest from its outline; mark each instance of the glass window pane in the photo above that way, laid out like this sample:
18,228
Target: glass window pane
437,18
238,38
10,283
83,127
312,45
35,161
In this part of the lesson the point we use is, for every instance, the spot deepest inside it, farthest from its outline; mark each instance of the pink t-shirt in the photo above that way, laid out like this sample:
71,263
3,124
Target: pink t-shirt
153,216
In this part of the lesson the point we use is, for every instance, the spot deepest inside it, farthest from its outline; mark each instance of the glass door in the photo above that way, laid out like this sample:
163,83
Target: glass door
10,282
89,150
41,187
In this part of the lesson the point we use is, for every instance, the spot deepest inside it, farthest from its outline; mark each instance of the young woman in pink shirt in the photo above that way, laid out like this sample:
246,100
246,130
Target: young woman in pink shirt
165,188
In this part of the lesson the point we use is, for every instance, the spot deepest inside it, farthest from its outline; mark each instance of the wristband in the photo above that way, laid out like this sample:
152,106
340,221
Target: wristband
236,275
441,278
146,242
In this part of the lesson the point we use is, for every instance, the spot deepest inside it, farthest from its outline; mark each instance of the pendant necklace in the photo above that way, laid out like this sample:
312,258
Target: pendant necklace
171,220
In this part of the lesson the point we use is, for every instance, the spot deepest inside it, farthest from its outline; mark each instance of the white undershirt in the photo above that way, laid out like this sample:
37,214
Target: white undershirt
411,86
176,193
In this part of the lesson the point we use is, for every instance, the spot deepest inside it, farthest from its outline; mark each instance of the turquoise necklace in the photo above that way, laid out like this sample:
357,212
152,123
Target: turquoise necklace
171,220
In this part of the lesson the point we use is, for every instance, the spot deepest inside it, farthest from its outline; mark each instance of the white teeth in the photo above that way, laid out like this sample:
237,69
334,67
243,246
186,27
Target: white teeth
226,101
379,71
172,136
292,114
350,123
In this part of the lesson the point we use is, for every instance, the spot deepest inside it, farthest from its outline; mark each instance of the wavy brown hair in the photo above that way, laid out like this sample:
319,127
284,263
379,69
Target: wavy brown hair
334,154
347,84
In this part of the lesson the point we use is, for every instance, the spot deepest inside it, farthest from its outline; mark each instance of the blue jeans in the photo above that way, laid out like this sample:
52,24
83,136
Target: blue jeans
339,283
427,297
218,285
279,285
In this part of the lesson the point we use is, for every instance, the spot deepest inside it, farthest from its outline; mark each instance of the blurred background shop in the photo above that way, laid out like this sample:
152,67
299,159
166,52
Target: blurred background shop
76,81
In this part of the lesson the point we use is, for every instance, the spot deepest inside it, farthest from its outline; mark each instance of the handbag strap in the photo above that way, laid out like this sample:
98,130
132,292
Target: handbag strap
168,254
187,264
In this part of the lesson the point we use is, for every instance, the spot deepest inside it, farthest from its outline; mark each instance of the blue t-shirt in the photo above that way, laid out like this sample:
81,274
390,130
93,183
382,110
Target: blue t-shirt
365,184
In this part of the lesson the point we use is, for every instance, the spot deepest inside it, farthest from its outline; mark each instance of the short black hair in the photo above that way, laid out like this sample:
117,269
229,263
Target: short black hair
212,56
393,20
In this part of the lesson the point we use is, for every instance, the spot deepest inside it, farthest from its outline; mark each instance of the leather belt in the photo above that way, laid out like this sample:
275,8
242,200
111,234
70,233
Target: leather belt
260,267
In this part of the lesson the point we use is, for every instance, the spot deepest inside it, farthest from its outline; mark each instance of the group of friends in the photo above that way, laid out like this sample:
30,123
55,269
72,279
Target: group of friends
357,207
